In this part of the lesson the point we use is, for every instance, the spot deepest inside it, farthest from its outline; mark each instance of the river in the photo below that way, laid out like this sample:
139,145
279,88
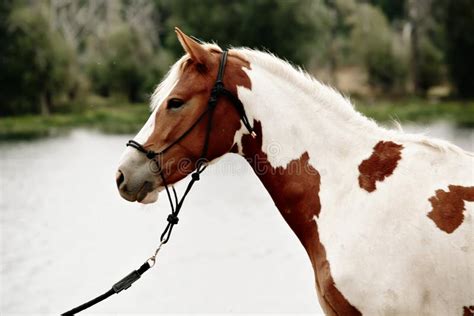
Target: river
66,235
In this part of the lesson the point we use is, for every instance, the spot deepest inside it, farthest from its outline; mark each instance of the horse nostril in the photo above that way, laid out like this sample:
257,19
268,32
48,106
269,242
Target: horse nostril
120,178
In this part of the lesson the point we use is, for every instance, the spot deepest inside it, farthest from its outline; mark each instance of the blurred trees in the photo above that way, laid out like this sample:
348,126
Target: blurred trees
117,43
393,10
426,55
290,29
59,51
127,65
55,50
36,65
458,18
376,44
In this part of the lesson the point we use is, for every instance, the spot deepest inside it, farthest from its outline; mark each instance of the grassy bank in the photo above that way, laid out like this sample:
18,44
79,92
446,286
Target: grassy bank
129,118
118,120
419,111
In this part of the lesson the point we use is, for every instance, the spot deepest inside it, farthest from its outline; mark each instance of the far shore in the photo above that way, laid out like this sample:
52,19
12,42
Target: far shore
128,118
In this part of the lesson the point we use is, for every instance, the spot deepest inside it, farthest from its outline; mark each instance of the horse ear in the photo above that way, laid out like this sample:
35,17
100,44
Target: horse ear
197,51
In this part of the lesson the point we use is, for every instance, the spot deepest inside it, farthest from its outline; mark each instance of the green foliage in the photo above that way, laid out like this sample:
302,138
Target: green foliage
339,49
98,72
385,69
459,24
393,9
289,28
51,62
373,42
431,65
36,66
126,59
126,64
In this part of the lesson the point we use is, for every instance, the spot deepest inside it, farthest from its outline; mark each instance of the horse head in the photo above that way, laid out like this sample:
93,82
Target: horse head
183,128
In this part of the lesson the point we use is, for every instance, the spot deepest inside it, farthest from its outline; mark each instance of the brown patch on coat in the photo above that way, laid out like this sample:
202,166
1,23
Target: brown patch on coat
295,191
379,165
194,87
468,310
448,207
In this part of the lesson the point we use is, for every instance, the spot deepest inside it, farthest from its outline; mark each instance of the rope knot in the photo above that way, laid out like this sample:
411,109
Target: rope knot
195,176
173,219
218,88
150,154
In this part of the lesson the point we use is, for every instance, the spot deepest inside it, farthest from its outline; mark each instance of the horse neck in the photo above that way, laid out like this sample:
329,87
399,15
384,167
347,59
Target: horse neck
306,132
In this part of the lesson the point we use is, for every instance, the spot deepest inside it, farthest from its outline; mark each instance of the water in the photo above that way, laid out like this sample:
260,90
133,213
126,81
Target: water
67,236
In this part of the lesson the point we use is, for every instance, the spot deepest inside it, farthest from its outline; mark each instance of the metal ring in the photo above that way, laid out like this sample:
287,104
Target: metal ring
151,261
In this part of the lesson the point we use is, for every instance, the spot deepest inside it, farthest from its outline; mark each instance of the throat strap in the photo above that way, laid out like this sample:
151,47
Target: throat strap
219,89
240,109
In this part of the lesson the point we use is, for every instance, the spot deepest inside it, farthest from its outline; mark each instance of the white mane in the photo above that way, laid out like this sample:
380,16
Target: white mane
164,87
330,98
323,94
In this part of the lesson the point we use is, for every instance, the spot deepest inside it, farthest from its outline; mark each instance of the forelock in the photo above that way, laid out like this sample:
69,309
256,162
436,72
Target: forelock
164,87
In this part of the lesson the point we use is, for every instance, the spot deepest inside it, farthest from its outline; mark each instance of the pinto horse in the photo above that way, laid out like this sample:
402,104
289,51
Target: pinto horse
384,216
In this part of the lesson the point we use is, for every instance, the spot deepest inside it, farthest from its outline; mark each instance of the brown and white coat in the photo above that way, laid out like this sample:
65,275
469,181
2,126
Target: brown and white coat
385,217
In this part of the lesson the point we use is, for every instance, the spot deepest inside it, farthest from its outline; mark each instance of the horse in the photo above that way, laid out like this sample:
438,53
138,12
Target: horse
383,215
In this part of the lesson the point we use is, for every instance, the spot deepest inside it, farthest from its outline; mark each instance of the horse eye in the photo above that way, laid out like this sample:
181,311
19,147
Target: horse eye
175,103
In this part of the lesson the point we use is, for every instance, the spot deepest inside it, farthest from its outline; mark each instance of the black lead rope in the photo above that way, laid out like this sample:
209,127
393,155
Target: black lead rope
121,285
175,203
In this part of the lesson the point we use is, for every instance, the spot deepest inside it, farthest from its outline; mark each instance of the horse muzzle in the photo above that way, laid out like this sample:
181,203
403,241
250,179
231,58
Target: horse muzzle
137,182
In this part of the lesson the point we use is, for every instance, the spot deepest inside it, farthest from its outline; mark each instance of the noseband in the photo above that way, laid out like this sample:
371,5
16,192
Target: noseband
217,91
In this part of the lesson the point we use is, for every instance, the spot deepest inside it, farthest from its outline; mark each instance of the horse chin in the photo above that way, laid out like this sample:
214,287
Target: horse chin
151,197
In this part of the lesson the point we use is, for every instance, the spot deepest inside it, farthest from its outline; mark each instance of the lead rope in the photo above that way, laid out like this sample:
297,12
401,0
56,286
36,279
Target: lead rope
172,219
175,203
